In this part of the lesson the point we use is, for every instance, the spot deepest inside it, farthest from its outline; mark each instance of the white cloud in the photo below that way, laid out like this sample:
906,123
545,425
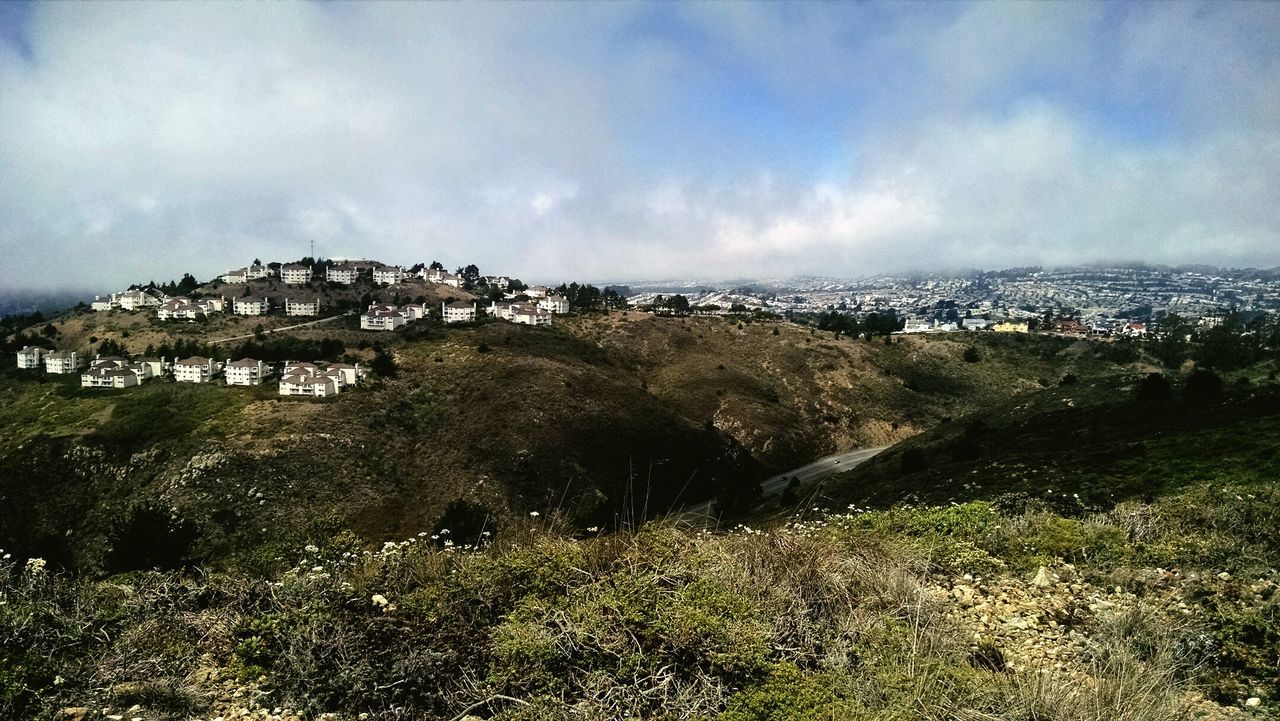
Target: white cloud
559,141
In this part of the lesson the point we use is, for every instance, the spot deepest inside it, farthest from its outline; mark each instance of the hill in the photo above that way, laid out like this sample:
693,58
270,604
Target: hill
608,419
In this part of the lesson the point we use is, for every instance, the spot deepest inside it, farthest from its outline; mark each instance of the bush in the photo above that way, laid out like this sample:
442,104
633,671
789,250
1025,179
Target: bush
1202,385
1154,388
971,355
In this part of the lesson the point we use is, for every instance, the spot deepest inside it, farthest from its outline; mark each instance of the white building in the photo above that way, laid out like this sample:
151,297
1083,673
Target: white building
537,291
235,277
257,272
245,372
381,318
440,276
302,383
61,362
458,312
529,314
31,357
150,367
499,310
387,275
554,304
301,307
295,274
108,377
212,305
179,309
195,369
135,300
252,306
101,303
413,311
340,274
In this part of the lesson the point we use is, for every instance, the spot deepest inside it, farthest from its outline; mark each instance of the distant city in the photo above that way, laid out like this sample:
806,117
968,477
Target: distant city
1090,294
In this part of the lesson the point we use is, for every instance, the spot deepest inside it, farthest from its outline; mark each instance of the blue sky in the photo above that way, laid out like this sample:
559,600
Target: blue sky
634,140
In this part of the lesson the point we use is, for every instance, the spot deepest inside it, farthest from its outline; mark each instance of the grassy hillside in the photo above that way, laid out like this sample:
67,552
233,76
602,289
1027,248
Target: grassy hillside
1090,444
848,616
791,394
608,419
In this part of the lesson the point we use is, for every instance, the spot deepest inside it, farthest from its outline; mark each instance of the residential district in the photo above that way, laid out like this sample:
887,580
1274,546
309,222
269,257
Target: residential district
1097,302
529,305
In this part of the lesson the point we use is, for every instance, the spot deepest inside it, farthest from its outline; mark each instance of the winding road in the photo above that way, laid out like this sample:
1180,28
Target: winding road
287,327
774,485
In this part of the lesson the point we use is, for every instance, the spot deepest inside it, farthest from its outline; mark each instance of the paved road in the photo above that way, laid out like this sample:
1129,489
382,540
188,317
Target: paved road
808,475
287,327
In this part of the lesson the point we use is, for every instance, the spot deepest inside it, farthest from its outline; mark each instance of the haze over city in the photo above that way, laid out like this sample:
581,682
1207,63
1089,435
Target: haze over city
631,141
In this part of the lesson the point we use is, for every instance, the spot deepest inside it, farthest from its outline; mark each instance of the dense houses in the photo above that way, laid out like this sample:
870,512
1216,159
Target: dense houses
112,372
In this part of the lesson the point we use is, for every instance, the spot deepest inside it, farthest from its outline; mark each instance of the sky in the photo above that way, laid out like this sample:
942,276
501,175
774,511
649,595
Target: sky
632,141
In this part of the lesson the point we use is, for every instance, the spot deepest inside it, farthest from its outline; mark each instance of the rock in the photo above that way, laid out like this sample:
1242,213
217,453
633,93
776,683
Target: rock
1043,578
1224,576
1253,702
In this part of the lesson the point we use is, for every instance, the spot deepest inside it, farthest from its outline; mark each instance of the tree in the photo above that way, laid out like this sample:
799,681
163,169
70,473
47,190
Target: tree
971,355
1202,385
1153,388
678,304
436,265
49,330
383,363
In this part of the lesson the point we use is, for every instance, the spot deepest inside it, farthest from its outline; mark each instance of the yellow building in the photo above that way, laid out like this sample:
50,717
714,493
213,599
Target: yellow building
1012,326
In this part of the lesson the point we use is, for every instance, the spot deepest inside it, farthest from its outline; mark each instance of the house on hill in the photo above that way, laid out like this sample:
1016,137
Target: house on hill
195,369
381,318
529,314
106,376
245,372
304,383
387,275
135,300
341,274
257,272
537,291
61,362
458,312
301,307
252,306
31,357
235,277
554,304
295,274
180,309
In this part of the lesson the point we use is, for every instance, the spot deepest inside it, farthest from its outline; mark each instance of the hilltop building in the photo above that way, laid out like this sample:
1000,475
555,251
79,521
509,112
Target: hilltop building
296,274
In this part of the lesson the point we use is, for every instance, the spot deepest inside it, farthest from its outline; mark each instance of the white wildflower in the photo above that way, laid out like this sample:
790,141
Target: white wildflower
534,514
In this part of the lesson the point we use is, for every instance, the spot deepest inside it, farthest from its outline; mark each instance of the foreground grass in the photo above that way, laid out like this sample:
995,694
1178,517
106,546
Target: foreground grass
859,615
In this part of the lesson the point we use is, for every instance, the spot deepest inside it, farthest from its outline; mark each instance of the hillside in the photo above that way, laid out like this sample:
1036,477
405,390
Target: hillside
606,419
1094,443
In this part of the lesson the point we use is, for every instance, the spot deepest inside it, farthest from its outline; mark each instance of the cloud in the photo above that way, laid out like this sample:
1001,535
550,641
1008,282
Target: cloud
143,140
